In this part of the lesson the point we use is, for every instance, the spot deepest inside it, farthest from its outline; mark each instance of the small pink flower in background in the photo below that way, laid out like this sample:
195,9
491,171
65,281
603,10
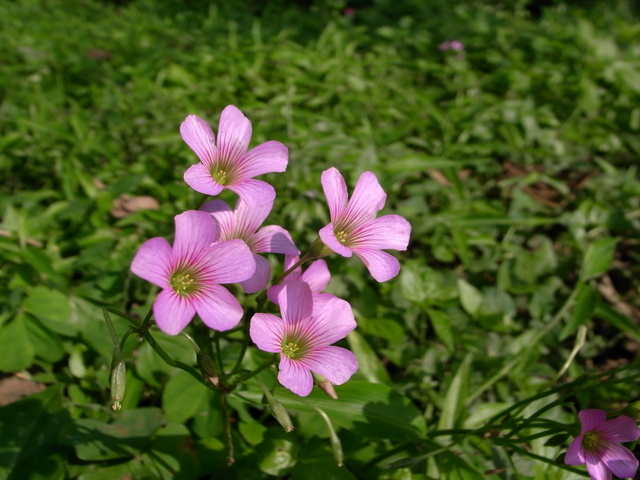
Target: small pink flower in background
354,227
190,272
243,223
349,11
598,445
228,164
451,45
317,276
303,338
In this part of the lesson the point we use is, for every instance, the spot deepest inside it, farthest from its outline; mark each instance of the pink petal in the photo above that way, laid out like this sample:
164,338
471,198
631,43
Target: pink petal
320,300
317,276
621,429
330,323
335,190
336,364
591,419
195,230
230,261
172,312
154,262
199,178
381,265
198,135
596,468
254,192
620,461
274,239
295,376
367,199
296,302
266,331
224,217
575,453
387,232
330,240
258,281
251,216
218,308
234,134
273,291
268,157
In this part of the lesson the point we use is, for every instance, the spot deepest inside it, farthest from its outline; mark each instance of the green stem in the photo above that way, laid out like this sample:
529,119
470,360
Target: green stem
253,373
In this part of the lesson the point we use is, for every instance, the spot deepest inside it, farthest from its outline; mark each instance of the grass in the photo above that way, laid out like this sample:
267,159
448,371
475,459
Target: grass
515,162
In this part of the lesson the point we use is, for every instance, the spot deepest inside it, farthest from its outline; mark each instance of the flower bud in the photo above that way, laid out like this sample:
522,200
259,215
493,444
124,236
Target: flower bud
209,369
117,380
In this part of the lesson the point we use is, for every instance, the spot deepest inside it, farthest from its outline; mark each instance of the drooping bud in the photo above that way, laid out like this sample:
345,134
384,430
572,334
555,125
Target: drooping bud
117,379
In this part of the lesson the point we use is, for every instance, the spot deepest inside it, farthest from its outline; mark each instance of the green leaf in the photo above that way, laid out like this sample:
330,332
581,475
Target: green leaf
29,430
456,395
454,467
470,297
585,304
47,345
368,362
371,410
183,397
278,454
441,323
598,258
618,320
17,351
52,308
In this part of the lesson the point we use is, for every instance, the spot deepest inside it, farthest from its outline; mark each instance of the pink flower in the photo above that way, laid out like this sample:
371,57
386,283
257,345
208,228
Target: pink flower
189,274
354,227
598,445
243,223
303,338
451,45
317,276
228,164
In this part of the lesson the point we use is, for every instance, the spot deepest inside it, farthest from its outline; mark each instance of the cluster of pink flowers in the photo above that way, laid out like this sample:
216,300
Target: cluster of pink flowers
220,245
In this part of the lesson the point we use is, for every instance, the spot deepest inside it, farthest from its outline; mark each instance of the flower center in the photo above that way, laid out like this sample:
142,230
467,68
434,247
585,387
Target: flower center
341,236
219,175
184,283
291,350
591,441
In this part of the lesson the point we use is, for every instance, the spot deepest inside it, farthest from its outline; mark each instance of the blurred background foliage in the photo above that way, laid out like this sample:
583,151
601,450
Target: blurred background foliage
514,159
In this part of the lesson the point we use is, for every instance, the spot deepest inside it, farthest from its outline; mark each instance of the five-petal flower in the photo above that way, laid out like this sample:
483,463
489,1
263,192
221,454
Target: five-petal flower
304,336
228,164
190,272
354,227
598,445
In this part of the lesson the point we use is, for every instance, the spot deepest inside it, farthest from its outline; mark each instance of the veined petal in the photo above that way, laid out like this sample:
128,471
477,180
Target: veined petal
336,364
596,468
296,303
320,300
195,230
381,265
218,308
330,240
224,217
267,157
367,199
172,312
317,276
330,323
254,192
575,453
295,376
234,134
198,135
199,178
335,190
620,461
154,261
274,239
258,281
621,429
230,261
267,331
251,216
387,232
591,419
